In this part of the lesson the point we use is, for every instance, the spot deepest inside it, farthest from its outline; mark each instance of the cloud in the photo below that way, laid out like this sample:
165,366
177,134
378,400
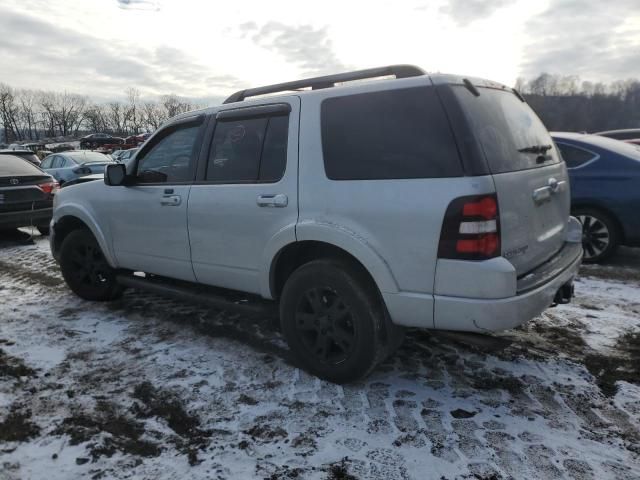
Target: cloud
306,46
40,54
153,5
464,12
593,39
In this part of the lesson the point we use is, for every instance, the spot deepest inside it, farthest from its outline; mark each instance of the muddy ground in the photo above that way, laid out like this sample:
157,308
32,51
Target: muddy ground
146,387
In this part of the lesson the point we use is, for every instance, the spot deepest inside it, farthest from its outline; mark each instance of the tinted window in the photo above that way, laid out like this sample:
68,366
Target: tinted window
503,125
573,156
14,165
274,151
249,150
171,158
385,135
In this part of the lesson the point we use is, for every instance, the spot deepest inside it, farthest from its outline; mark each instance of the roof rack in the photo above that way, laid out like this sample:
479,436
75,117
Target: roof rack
399,71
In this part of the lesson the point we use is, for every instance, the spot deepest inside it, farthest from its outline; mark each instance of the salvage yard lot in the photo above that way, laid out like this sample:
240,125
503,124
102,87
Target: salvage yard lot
146,387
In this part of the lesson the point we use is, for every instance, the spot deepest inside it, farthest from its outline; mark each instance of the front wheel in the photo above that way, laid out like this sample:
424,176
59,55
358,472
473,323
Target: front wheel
85,269
332,317
599,234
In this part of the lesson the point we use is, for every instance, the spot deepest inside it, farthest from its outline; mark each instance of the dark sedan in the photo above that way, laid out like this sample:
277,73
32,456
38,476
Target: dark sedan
26,154
26,195
96,140
605,191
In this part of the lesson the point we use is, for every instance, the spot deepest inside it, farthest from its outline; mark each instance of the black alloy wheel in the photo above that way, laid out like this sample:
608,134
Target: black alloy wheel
325,325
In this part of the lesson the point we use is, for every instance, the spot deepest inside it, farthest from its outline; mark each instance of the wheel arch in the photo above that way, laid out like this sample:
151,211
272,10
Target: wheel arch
72,218
604,209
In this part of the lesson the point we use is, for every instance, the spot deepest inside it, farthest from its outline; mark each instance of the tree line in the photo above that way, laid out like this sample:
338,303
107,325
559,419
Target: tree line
35,115
563,102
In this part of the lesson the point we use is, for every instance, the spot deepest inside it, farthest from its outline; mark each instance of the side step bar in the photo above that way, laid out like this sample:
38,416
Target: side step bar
201,294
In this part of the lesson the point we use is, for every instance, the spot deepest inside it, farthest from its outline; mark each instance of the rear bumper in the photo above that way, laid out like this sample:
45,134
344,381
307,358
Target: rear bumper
40,217
534,293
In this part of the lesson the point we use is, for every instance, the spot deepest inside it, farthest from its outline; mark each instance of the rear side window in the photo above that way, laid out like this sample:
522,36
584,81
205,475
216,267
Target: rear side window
574,156
388,135
252,150
505,128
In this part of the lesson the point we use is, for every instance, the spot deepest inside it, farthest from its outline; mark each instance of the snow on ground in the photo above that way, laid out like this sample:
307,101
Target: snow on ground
147,387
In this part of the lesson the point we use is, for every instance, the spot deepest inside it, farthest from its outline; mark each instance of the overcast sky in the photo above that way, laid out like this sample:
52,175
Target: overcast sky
207,49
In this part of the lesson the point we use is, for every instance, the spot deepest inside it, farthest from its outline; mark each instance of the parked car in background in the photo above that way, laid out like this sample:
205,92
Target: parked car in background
96,140
68,166
26,194
629,135
22,153
360,208
137,139
124,156
605,191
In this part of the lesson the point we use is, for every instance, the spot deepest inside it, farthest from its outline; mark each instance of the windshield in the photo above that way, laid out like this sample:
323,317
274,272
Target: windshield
87,157
510,133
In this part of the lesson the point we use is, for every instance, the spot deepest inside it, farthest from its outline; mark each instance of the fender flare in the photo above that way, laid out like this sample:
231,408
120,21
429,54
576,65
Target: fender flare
338,236
86,216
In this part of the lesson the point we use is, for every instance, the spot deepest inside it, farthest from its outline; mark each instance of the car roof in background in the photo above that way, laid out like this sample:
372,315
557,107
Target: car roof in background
16,151
623,130
605,143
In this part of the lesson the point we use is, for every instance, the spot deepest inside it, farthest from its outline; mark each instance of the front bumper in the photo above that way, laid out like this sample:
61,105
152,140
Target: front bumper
25,218
535,292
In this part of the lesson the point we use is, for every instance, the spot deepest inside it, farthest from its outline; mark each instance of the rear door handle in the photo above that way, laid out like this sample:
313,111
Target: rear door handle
171,200
279,200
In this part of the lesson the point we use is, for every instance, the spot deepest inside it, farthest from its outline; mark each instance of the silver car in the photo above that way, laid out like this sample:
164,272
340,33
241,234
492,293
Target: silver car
355,208
68,166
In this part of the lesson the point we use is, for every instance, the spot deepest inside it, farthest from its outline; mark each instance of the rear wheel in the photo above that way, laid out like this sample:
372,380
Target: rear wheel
332,318
85,269
600,235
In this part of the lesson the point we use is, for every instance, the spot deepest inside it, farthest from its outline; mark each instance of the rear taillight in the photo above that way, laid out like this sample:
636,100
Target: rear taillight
471,229
49,187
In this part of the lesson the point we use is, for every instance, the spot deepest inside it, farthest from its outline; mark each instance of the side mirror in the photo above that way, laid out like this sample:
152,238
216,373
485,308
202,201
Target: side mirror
115,174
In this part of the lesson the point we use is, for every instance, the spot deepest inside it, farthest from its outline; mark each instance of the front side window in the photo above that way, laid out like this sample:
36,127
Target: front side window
172,158
574,156
251,150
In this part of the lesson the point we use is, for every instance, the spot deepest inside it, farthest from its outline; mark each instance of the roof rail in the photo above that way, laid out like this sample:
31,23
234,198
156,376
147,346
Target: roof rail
399,71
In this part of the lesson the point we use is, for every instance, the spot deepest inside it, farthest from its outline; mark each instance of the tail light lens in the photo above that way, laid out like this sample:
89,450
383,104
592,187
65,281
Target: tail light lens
50,187
471,229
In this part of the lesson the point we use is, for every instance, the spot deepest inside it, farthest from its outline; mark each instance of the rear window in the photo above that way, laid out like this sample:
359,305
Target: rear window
90,157
388,135
31,157
14,165
503,125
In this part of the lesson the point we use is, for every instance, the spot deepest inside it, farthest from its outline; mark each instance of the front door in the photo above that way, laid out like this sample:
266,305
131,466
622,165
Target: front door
149,218
248,194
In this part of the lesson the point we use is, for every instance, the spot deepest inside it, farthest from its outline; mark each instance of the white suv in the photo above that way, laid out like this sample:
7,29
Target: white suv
429,201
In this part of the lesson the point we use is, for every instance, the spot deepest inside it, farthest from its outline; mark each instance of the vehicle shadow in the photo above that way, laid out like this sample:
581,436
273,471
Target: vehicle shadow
15,238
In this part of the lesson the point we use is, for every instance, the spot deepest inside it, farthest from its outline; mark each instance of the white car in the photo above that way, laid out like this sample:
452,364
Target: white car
430,201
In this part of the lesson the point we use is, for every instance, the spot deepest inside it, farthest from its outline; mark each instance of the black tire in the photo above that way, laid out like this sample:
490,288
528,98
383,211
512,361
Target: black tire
85,269
43,229
600,234
332,318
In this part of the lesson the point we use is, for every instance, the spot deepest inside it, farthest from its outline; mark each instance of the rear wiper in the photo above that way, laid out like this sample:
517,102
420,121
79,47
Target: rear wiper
535,149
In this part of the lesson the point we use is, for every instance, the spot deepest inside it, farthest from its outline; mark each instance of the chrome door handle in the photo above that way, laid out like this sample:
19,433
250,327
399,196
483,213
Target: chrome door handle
275,200
171,200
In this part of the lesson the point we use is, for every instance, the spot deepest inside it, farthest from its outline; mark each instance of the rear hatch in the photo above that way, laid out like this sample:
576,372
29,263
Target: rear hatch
21,186
530,178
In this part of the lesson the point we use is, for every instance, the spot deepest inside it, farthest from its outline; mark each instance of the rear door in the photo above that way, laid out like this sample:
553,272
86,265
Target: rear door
246,194
530,177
